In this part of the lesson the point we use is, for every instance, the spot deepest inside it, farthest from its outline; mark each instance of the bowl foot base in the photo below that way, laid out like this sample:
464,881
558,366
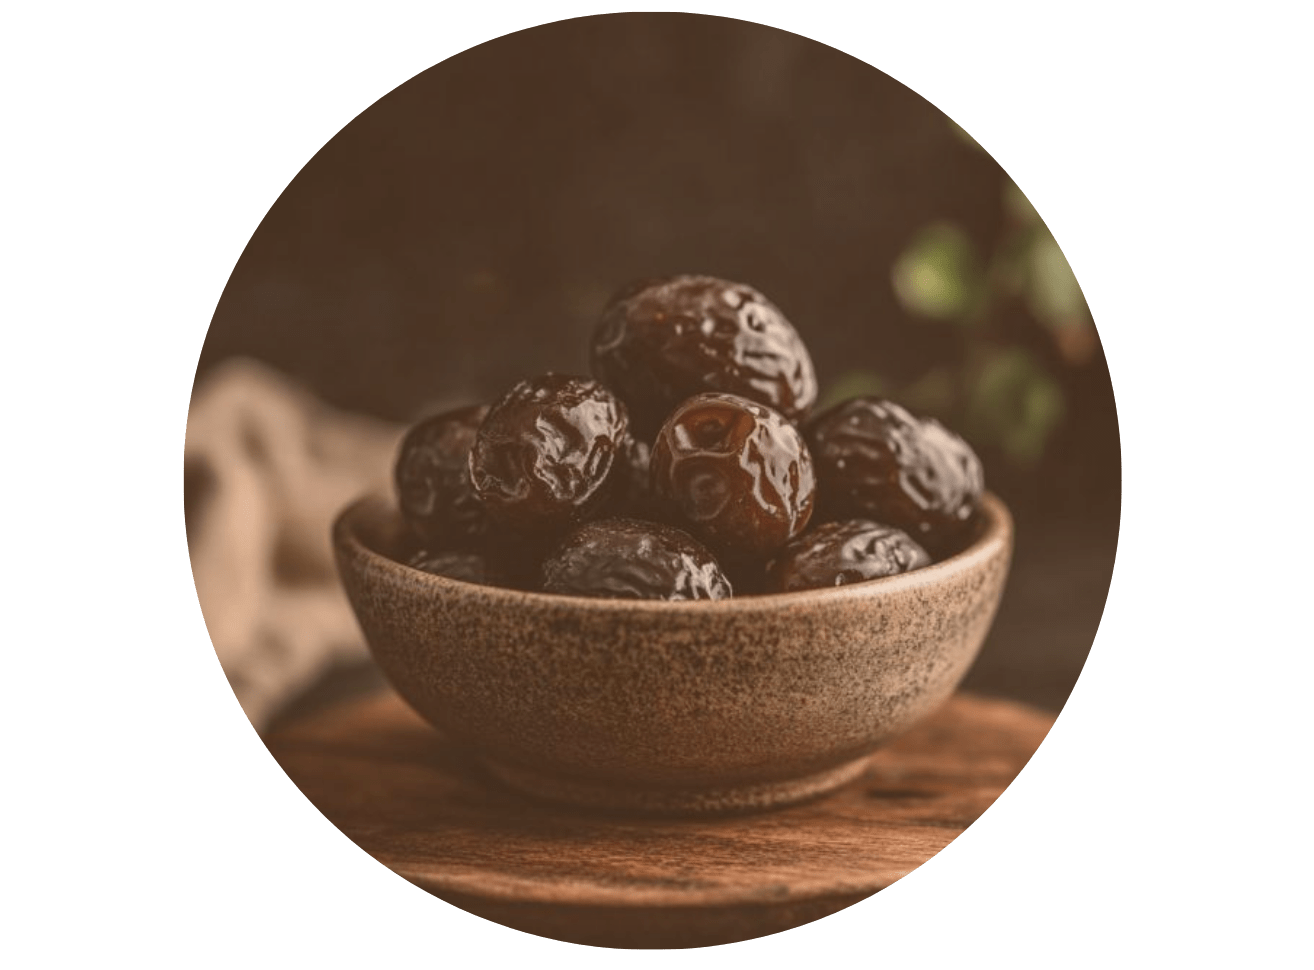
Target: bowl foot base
732,799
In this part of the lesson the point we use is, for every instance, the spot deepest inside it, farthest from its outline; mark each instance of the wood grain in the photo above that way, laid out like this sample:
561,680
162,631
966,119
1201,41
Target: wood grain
412,800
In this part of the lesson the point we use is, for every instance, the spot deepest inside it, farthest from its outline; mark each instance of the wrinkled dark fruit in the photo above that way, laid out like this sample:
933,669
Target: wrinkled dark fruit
468,566
875,460
544,457
719,381
736,473
840,553
662,341
631,559
432,477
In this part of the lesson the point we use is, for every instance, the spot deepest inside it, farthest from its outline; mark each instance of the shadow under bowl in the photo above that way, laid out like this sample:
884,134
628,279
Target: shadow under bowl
672,708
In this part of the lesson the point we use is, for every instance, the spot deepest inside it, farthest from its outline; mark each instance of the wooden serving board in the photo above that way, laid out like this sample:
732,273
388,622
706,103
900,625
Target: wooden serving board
418,804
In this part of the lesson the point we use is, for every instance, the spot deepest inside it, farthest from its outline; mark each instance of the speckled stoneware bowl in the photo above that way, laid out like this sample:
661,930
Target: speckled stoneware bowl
680,708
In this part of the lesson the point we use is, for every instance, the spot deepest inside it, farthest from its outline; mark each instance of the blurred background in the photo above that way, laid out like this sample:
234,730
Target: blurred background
465,230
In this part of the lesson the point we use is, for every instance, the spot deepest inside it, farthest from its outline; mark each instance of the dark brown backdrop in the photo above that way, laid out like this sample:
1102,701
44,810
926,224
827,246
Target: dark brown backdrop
464,231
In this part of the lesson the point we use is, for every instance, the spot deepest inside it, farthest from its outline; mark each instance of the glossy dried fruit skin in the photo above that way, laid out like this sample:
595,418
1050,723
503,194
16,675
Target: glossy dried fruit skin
544,457
876,460
432,479
470,567
638,458
631,559
840,553
664,340
736,473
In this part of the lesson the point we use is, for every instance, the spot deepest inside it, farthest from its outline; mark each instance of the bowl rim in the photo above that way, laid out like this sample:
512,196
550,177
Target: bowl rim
348,544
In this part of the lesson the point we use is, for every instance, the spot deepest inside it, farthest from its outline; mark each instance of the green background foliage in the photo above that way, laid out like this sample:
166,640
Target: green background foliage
1003,387
1163,819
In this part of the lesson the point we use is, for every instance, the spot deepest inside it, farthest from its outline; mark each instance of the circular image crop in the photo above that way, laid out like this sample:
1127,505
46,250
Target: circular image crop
652,480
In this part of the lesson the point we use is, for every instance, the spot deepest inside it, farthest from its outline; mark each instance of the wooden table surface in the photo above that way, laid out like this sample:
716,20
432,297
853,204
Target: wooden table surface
415,802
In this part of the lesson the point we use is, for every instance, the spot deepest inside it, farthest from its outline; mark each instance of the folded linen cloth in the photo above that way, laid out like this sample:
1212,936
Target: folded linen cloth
267,468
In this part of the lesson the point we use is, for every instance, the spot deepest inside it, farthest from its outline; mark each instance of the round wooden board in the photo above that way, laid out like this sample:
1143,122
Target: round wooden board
412,800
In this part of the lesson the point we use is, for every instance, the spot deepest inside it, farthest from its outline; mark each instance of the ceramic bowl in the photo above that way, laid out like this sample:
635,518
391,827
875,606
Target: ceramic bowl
673,708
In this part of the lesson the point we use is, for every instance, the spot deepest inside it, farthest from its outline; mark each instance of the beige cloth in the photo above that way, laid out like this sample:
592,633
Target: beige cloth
268,468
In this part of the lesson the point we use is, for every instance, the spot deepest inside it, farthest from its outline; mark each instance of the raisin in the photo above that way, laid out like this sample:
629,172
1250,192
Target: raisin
839,553
875,460
432,477
736,472
661,341
545,455
631,559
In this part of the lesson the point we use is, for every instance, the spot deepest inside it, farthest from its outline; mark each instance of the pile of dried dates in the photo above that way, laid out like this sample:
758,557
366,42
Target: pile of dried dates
688,467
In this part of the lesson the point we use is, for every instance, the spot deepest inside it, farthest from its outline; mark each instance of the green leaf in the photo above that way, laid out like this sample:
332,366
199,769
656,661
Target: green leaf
1015,404
1017,205
935,392
939,275
1053,294
854,383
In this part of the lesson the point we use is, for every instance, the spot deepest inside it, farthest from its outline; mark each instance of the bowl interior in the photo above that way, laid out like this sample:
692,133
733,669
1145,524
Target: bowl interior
372,530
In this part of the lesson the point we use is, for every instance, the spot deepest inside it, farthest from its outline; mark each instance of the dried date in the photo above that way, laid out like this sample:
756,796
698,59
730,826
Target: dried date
736,472
664,340
631,559
840,553
432,478
549,454
876,460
